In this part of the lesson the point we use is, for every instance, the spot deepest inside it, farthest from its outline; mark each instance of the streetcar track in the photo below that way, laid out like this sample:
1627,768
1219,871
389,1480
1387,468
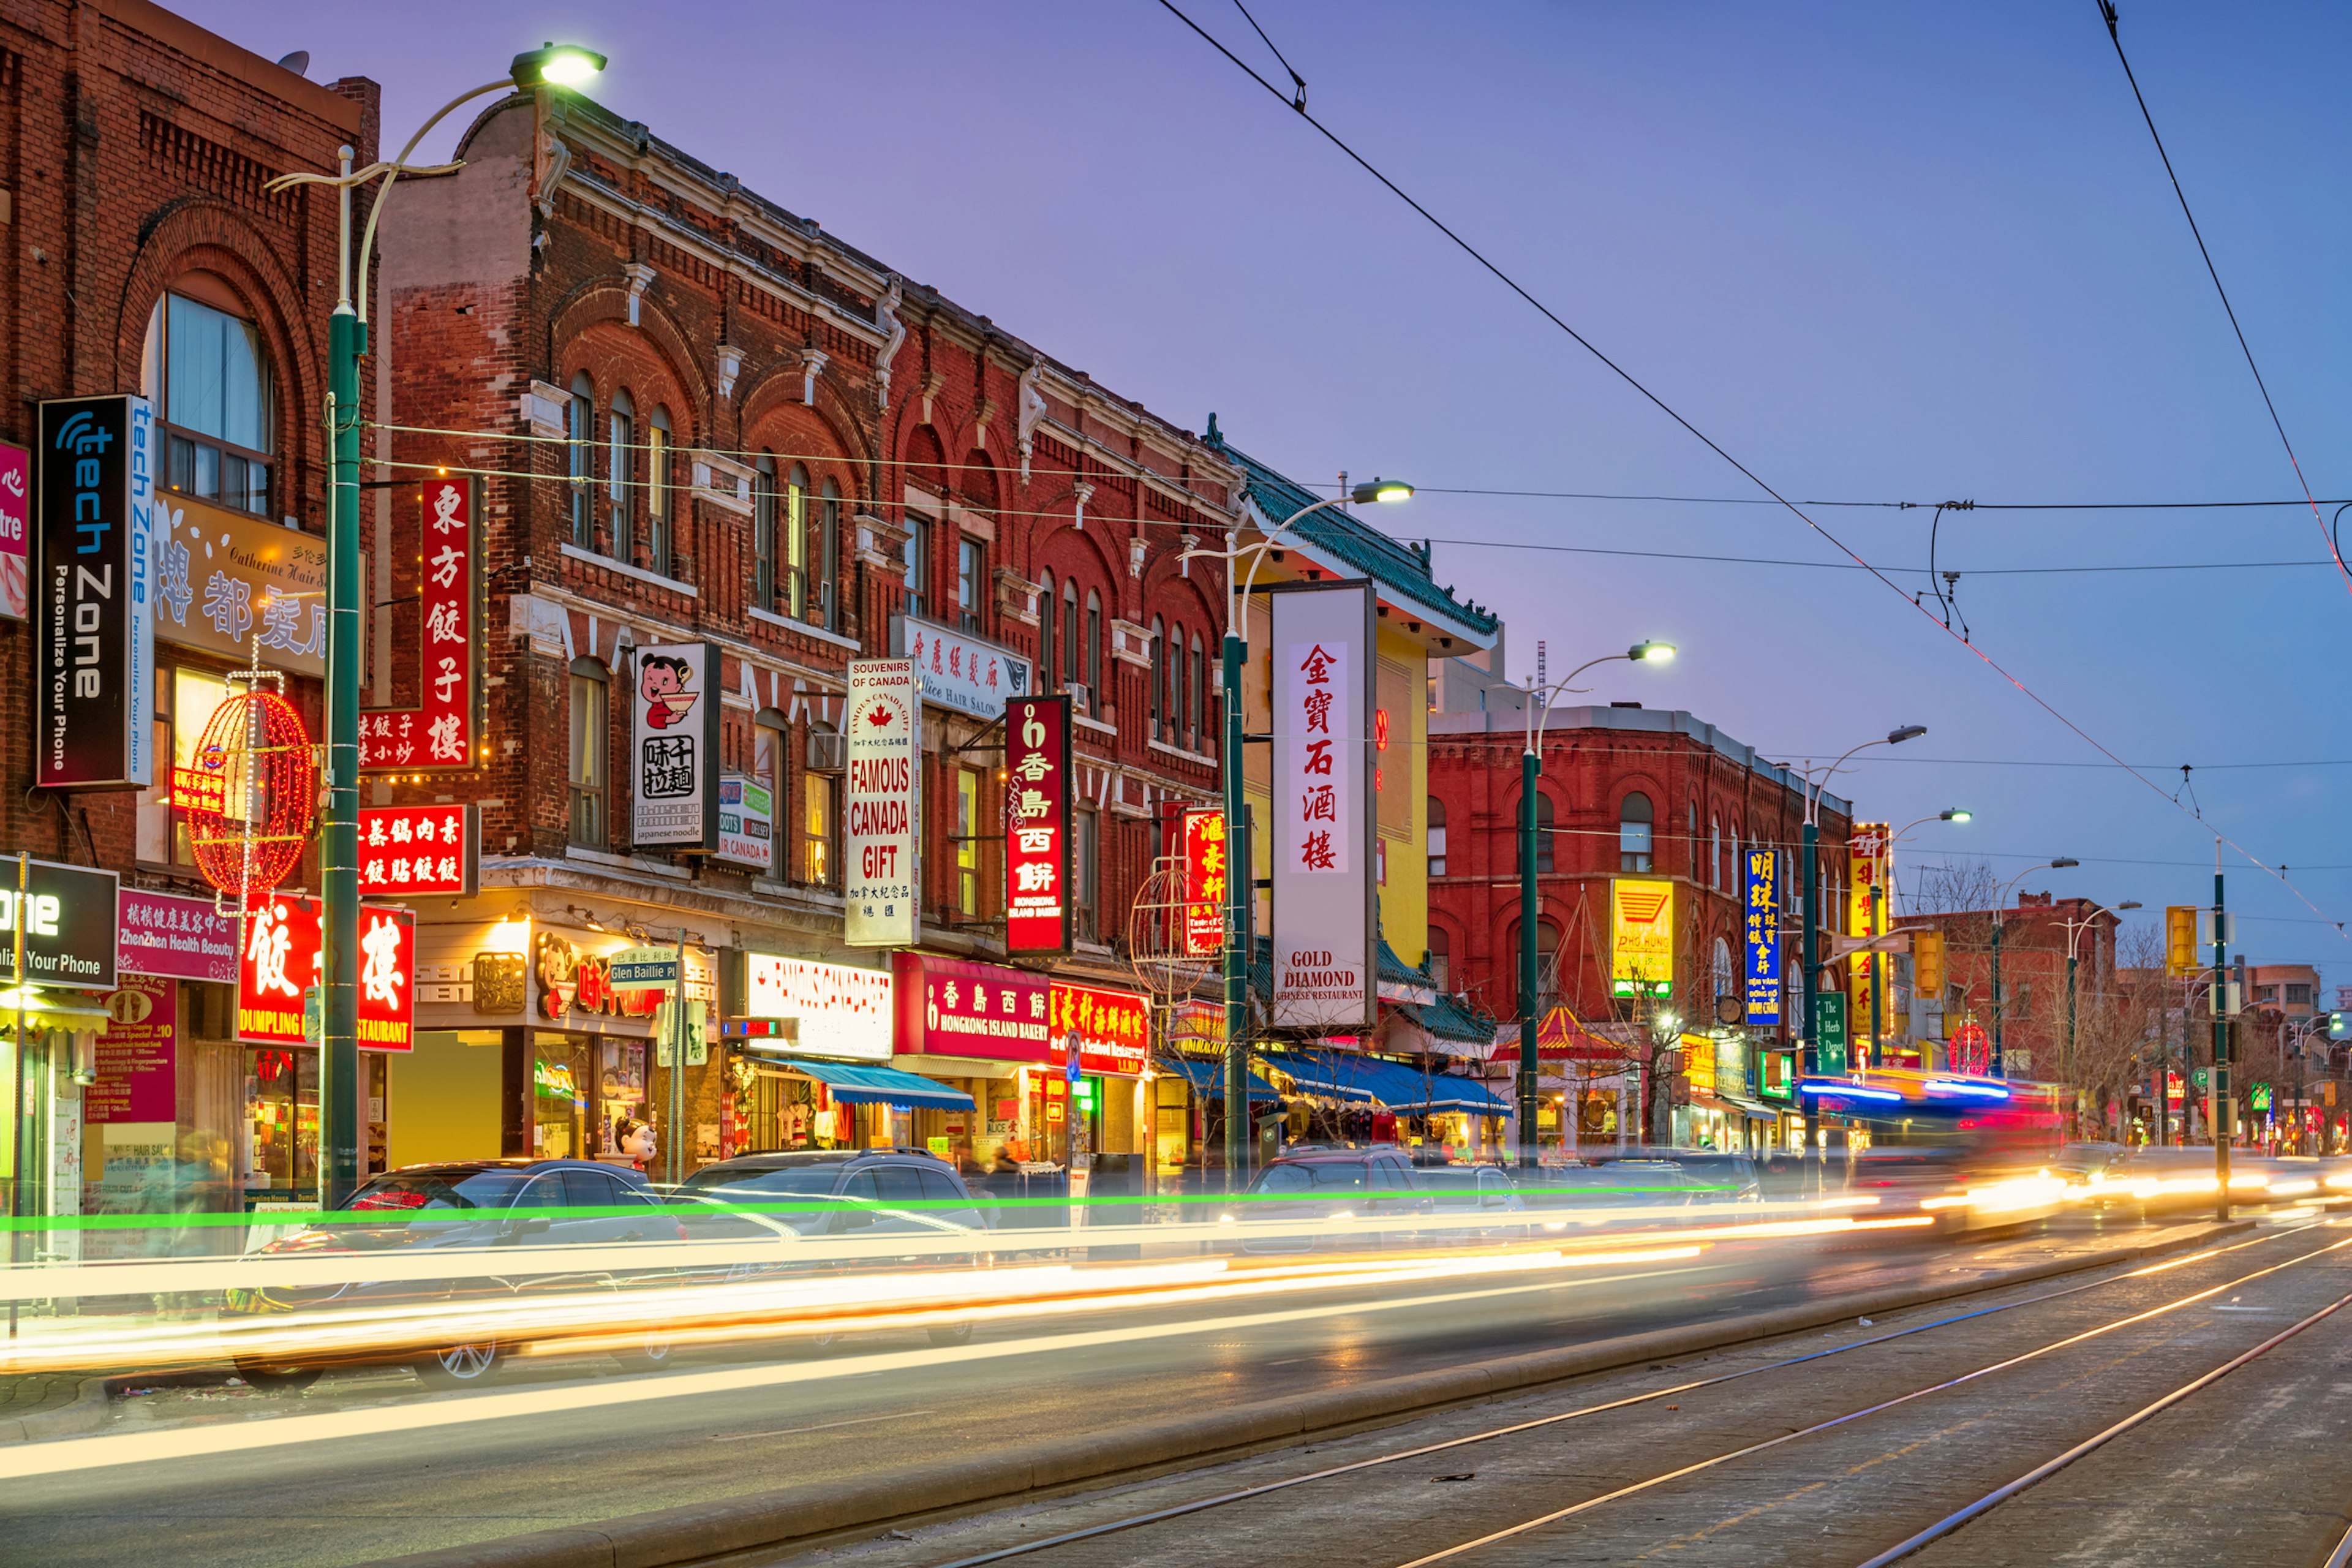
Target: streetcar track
1244,1494
1637,1488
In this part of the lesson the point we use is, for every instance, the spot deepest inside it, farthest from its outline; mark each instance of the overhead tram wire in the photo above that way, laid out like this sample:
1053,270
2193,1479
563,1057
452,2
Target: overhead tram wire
2107,14
1744,472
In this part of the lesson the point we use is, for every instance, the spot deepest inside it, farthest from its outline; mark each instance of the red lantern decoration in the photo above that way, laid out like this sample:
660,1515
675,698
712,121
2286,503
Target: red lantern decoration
249,821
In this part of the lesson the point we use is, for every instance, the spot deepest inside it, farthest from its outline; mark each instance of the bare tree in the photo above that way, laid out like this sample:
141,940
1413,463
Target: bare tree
1953,887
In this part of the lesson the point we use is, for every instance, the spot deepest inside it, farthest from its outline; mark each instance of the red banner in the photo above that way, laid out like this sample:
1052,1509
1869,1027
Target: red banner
417,849
1037,825
439,731
1114,1029
956,1007
1205,870
283,954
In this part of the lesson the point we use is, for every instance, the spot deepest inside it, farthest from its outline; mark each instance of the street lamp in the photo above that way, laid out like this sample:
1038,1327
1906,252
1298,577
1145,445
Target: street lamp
1882,909
550,66
1239,856
1995,1067
2074,929
1539,708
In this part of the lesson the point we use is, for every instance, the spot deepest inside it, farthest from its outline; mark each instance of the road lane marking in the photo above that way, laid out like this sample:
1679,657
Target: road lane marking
820,1426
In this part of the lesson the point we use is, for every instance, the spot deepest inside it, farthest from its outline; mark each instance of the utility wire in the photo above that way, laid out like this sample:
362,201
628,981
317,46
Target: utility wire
1704,439
2107,14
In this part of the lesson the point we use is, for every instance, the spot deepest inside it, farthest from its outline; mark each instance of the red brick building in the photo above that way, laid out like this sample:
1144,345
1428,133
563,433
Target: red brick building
2035,938
692,415
144,256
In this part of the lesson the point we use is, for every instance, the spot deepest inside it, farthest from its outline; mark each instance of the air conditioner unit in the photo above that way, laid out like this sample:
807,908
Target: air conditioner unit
828,751
1081,700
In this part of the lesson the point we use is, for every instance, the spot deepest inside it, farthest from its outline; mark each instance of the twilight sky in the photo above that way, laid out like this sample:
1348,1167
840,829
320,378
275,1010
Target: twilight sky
1878,253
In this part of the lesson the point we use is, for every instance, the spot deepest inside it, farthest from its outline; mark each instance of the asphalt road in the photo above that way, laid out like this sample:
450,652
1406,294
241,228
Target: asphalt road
360,1499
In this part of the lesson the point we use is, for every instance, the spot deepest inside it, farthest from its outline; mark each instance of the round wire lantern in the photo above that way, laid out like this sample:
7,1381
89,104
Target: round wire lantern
248,810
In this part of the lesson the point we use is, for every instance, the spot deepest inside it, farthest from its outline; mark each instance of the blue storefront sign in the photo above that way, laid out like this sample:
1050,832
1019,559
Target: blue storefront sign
1763,937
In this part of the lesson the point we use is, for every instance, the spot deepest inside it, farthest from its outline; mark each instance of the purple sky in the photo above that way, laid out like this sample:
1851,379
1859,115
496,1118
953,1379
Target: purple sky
1879,253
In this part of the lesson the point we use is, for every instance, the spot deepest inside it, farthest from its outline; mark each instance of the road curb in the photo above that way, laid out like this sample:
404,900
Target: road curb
802,1515
87,1414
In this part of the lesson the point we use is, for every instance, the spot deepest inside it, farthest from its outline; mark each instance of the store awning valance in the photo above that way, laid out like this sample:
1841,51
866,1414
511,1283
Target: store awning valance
1330,1074
1369,1080
861,1085
1207,1075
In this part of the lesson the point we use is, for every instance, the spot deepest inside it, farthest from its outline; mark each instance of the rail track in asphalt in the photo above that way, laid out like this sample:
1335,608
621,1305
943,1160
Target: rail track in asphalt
1119,1534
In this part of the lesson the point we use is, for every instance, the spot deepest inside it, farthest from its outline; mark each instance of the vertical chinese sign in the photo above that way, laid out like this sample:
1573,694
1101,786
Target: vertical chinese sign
1763,936
1037,825
1202,842
94,615
1866,851
1321,647
882,804
673,747
440,731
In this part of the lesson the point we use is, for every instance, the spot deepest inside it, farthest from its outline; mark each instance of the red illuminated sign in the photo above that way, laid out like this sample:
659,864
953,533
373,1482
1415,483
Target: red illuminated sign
413,849
1206,871
282,954
956,1007
438,731
1037,825
1114,1029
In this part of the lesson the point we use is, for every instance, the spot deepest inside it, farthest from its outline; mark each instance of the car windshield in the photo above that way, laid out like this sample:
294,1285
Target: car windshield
454,1187
743,1186
1334,1176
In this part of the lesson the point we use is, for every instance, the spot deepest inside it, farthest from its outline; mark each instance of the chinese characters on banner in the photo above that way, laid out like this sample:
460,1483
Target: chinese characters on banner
162,933
16,509
1763,936
1321,648
94,621
1205,885
438,732
882,804
138,1065
412,849
282,954
1641,956
223,578
674,746
955,669
1114,1029
1865,853
1037,825
955,1007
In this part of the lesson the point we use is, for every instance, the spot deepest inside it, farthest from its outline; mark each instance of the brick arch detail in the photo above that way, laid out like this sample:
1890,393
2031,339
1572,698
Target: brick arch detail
776,386
202,235
605,302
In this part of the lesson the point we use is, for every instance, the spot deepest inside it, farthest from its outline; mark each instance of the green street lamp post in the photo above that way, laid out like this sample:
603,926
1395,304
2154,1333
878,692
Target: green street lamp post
347,339
1539,708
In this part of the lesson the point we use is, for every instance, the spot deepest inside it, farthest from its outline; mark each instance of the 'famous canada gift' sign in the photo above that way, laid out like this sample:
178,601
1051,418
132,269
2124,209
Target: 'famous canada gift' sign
882,804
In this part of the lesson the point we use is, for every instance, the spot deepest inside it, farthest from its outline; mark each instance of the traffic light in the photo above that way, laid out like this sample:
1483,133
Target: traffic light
1927,964
2181,939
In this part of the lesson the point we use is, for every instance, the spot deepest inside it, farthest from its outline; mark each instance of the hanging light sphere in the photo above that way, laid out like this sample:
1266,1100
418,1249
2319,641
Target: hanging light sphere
258,792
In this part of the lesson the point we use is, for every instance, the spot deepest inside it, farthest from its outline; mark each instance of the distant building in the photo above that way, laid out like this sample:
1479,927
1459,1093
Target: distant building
2032,1005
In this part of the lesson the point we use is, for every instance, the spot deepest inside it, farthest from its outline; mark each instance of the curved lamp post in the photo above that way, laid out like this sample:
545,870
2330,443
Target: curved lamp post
1240,866
1538,710
2074,929
1996,1066
552,65
1882,910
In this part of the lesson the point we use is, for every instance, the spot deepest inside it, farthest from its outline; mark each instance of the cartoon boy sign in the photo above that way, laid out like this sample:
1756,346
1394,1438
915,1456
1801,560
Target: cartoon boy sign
662,681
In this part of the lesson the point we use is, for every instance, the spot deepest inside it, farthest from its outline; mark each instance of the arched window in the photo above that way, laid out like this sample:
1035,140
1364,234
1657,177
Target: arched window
1634,822
796,525
1177,689
1436,842
825,556
1723,979
591,744
1093,652
1160,706
1714,851
1440,953
763,534
1543,832
658,543
770,732
1546,966
1070,658
1196,717
624,477
819,817
580,426
209,378
1046,668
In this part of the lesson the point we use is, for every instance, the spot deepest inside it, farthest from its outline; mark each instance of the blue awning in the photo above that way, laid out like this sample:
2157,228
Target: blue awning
1207,1075
1368,1080
861,1085
1327,1073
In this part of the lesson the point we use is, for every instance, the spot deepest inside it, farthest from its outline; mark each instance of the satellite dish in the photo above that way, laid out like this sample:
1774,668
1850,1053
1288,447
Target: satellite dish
299,62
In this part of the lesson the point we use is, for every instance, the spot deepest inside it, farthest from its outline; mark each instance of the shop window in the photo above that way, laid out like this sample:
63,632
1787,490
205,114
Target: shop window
1046,666
1543,831
825,544
763,534
579,425
1085,869
1436,837
1440,960
659,541
591,749
210,379
623,472
1634,823
970,585
184,700
967,842
918,566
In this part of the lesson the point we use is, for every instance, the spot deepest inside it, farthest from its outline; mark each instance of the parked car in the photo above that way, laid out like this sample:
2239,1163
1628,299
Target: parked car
461,1206
1336,1183
1484,1196
800,1195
